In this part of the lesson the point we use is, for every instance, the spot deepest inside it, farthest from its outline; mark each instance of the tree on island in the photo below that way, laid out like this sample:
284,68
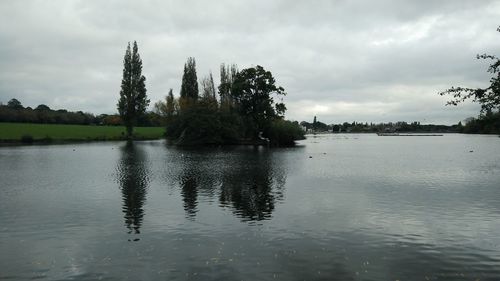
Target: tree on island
166,108
189,87
251,91
227,75
133,100
208,90
171,105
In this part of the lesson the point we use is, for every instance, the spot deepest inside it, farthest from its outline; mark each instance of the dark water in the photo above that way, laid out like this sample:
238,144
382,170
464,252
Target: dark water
362,208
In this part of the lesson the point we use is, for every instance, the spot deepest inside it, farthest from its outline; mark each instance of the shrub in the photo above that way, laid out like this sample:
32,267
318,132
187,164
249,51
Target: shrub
47,139
27,139
196,125
284,133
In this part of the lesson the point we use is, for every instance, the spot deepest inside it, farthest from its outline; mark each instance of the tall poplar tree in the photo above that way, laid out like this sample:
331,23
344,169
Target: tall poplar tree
133,100
189,87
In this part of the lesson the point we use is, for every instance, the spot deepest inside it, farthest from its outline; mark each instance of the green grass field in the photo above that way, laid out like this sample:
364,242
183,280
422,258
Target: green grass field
15,132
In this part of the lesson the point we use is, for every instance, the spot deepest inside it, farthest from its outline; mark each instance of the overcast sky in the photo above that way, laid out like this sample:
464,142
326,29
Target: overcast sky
340,60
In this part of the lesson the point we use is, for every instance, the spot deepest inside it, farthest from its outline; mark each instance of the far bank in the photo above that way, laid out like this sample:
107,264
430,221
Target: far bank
39,133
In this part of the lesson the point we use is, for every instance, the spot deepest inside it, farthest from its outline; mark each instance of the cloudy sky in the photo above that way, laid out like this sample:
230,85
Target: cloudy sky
340,60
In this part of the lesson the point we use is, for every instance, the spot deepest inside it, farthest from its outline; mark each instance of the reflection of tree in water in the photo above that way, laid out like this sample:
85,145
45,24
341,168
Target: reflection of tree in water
133,180
253,186
189,193
249,182
196,177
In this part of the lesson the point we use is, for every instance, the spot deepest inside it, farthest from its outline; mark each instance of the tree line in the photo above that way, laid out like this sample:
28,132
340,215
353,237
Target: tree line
485,123
14,111
365,127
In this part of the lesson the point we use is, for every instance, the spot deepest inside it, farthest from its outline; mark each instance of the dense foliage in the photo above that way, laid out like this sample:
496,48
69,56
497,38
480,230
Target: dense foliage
245,113
15,112
488,123
284,132
165,110
252,94
133,100
227,75
201,124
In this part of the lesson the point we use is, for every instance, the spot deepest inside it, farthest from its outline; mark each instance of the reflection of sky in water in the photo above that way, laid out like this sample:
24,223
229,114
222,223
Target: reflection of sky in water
362,208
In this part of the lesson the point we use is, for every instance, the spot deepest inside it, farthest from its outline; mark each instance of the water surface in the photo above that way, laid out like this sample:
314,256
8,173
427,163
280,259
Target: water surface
337,207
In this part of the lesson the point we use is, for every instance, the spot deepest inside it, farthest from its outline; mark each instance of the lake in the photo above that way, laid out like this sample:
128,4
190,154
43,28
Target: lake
336,207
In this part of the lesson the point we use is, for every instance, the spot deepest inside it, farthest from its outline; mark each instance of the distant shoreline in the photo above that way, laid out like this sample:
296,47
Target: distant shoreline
400,133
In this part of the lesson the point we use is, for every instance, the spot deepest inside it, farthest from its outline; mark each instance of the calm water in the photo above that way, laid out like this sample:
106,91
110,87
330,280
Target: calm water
337,207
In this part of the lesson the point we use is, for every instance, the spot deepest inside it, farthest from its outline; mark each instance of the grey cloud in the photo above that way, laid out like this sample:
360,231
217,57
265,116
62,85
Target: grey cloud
375,61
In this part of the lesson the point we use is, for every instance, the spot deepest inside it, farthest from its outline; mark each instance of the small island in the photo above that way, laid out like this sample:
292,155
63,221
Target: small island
245,112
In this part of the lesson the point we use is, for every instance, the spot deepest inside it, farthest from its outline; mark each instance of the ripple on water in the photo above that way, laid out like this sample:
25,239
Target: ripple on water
362,208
